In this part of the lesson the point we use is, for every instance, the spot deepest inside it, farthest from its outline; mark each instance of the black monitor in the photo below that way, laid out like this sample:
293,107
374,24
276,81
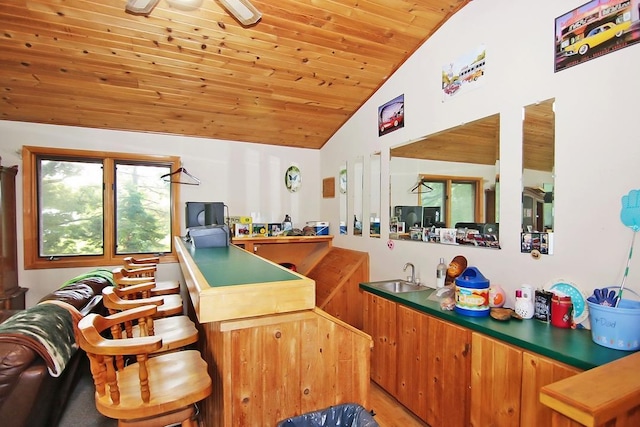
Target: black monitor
432,216
198,214
410,215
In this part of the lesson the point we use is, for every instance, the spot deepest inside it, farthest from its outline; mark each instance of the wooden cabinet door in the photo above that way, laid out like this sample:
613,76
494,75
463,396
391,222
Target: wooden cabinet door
380,323
448,366
496,383
434,363
412,350
538,371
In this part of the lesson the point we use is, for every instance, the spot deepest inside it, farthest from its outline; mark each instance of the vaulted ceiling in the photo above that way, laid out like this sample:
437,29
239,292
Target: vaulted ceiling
292,79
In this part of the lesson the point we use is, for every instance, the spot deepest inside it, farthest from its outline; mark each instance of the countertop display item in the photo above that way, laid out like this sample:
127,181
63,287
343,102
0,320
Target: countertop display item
542,305
615,323
503,314
293,179
524,302
497,296
286,223
472,293
561,311
578,298
441,273
455,268
604,296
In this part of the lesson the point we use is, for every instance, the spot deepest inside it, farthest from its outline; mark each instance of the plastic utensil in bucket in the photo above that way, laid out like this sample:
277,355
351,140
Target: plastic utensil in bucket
616,327
629,294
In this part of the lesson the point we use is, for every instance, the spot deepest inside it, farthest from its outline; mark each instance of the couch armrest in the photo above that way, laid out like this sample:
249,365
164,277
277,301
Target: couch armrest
14,360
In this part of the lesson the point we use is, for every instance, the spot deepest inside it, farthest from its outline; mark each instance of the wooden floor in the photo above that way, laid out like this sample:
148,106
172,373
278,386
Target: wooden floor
390,413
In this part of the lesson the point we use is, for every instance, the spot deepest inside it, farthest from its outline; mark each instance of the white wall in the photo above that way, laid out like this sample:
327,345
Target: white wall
596,153
597,149
249,178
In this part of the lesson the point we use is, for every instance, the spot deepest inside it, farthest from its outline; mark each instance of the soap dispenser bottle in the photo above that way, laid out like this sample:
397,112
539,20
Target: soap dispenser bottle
441,273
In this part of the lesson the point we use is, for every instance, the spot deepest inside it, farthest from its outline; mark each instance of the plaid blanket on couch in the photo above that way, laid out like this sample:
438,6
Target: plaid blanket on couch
47,329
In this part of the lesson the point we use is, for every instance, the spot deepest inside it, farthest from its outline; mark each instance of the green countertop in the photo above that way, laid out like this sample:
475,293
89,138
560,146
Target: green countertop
571,346
230,266
228,283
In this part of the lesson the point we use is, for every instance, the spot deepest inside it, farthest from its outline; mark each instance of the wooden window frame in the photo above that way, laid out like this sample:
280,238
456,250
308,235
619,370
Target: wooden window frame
479,199
32,259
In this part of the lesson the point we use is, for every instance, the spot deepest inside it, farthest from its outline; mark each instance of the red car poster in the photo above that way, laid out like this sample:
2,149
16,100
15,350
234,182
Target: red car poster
391,116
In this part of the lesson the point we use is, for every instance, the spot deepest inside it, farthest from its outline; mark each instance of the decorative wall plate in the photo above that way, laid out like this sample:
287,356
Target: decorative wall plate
578,298
293,179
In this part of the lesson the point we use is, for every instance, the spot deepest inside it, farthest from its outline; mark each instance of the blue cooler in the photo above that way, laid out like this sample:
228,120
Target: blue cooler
472,293
321,227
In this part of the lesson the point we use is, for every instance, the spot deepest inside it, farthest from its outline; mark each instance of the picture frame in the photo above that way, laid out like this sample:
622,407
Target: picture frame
242,230
592,30
416,234
275,229
259,229
465,73
391,115
329,188
448,236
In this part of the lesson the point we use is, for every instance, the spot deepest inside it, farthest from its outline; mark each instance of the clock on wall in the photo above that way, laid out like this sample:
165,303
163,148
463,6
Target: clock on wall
292,179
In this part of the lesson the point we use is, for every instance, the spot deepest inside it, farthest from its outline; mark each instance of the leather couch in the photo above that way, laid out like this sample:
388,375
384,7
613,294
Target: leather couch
29,395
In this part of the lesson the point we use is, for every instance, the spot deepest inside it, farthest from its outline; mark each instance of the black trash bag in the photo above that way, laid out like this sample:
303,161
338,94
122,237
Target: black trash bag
347,415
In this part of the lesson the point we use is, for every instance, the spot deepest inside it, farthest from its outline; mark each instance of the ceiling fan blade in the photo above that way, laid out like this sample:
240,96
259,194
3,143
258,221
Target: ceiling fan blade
242,10
185,4
140,7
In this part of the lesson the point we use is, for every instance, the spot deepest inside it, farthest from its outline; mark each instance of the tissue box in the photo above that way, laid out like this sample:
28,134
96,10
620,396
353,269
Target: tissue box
321,227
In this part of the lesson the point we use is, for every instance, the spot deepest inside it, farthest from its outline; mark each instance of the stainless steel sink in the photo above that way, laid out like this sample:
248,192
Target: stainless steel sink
397,286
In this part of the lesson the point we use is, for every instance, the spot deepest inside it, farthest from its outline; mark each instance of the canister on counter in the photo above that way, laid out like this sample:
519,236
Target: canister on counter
542,305
561,311
472,293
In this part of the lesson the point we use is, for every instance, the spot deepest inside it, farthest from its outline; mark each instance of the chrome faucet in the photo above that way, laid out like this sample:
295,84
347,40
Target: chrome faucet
413,271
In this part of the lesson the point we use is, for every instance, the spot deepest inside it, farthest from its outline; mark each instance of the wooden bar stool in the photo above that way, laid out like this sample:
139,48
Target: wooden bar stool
140,266
125,277
152,391
176,331
133,296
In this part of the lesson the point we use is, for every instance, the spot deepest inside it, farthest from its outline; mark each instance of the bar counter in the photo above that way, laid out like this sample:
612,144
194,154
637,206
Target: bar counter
271,353
230,283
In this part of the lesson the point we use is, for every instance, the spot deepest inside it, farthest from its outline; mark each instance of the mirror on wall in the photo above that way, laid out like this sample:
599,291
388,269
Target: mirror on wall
358,189
342,189
374,195
538,167
445,187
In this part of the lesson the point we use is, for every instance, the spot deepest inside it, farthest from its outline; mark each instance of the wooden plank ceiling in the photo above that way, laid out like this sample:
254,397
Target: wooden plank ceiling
292,80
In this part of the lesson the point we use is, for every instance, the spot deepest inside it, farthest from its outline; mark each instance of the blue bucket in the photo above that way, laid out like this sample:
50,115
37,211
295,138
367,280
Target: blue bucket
616,327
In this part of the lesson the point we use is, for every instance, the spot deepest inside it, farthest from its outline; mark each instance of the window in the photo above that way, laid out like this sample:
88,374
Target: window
459,198
85,208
